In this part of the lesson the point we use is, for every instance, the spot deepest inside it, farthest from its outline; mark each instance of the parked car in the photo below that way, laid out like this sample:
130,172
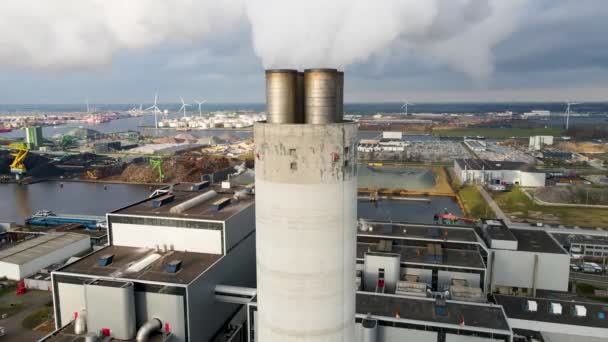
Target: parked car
575,268
591,267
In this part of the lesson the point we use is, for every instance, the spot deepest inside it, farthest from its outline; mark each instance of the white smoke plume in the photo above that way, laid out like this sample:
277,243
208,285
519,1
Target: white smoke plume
77,34
72,34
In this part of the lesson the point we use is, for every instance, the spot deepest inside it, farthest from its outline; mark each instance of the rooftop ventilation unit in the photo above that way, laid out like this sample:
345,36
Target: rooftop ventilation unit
162,200
220,204
555,308
173,266
105,259
199,186
580,311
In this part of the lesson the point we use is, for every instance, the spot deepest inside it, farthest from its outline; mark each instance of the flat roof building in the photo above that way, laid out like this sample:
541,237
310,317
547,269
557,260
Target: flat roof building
166,255
28,257
480,171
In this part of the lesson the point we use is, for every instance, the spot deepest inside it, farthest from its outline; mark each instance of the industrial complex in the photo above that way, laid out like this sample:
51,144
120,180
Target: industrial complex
289,258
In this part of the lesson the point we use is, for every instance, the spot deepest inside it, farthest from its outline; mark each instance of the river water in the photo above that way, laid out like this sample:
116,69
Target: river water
17,202
20,201
407,211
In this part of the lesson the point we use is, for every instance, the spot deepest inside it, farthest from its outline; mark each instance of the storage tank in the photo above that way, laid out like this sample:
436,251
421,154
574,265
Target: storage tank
281,95
306,209
320,95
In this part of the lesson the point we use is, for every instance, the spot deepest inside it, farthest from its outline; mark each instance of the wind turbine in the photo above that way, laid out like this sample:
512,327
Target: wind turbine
405,104
568,103
200,103
183,107
156,109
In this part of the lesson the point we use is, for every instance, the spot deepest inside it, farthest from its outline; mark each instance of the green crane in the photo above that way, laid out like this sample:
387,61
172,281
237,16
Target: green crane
157,164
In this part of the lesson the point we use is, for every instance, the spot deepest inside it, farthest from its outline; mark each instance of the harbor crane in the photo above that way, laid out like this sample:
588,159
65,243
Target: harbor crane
19,151
157,164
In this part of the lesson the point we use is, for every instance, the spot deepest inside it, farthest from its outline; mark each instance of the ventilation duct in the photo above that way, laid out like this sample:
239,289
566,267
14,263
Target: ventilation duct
191,203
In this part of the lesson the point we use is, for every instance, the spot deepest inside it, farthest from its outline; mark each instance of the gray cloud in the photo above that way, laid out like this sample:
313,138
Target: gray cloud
551,49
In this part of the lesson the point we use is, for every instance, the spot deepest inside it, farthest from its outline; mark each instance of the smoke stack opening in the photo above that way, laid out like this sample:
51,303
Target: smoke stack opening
314,96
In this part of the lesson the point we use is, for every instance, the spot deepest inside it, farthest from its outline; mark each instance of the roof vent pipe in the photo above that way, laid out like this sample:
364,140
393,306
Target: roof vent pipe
180,208
150,327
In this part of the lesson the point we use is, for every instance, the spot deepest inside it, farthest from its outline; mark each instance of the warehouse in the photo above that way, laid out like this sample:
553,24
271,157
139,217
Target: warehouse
166,255
480,171
525,260
28,257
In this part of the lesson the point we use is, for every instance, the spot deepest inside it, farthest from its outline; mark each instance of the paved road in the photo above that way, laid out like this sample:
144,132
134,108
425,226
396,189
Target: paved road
591,279
33,300
499,213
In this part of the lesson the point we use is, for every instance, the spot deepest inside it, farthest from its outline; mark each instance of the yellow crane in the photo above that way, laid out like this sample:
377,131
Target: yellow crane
19,151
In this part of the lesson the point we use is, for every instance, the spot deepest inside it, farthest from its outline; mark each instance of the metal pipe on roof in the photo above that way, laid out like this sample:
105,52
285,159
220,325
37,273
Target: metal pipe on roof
150,327
281,94
180,208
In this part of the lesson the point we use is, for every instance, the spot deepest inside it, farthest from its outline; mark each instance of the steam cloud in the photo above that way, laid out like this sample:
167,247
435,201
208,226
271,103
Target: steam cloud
72,34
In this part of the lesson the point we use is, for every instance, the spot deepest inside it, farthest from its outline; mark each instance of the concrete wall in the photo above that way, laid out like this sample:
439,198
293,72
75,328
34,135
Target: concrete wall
444,279
533,179
182,239
306,205
206,315
392,271
465,338
391,334
239,225
515,269
71,299
169,309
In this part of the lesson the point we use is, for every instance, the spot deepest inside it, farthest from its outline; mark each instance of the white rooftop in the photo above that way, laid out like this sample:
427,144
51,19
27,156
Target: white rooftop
38,247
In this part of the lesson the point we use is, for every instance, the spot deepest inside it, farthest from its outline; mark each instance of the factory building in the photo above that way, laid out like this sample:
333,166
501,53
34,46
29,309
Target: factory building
306,209
525,260
157,277
28,257
479,171
475,145
583,245
556,320
417,259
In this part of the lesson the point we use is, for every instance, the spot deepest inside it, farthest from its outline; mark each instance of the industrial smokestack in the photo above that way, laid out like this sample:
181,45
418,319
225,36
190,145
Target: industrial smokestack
340,97
300,97
320,96
306,216
281,89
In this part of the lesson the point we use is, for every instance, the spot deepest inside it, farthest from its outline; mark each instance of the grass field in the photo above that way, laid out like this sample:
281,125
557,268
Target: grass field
517,205
474,204
37,317
498,132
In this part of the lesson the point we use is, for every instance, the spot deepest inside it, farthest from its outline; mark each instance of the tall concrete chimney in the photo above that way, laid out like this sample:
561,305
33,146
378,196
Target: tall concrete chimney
306,209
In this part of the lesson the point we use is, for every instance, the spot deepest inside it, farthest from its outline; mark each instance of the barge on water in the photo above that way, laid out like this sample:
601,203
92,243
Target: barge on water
48,218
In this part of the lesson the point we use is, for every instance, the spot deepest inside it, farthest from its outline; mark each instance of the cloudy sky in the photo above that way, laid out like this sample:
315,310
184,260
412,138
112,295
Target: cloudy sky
62,51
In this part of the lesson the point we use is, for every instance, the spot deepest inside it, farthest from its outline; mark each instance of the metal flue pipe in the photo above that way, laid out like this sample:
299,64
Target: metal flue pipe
150,327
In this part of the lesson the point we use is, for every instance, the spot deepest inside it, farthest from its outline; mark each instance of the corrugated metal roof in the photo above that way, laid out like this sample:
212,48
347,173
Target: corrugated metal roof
38,247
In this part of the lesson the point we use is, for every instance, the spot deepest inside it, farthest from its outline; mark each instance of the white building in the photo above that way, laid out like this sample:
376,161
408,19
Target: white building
536,114
475,145
28,257
480,171
525,260
159,274
537,142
